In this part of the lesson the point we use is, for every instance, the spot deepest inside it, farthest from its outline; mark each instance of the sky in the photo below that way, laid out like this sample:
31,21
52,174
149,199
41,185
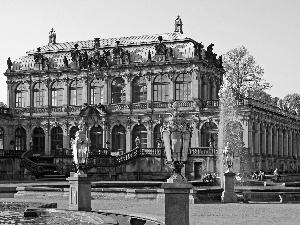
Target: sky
269,29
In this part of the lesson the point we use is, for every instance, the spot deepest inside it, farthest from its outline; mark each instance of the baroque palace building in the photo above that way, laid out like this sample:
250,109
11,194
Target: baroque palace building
124,89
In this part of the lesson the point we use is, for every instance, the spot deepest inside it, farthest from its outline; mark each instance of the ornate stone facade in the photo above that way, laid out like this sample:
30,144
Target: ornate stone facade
135,82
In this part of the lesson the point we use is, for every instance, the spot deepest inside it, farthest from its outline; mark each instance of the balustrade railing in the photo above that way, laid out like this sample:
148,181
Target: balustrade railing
210,103
185,103
203,151
139,106
160,104
99,151
11,153
119,107
152,151
63,152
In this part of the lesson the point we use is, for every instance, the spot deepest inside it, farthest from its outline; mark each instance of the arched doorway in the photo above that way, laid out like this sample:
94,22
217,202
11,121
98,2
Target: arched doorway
141,132
96,136
56,139
38,141
209,133
119,139
20,139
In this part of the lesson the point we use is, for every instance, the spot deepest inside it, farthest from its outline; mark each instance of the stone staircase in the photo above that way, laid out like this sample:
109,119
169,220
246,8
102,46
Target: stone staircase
41,167
49,171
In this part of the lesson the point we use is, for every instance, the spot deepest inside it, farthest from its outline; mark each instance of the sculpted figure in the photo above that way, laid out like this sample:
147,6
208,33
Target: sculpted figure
52,37
178,25
160,48
65,61
9,63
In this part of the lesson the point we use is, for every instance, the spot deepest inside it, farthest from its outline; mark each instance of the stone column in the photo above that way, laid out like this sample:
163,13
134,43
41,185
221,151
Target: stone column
80,192
128,89
66,94
107,91
171,87
276,142
194,85
85,90
228,195
128,139
177,203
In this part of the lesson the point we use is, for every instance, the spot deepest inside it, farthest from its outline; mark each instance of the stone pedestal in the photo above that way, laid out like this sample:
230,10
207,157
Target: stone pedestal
80,192
228,195
176,202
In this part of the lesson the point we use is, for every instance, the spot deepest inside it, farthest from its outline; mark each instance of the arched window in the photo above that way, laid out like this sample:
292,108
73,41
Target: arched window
39,92
209,133
183,87
96,136
139,89
97,88
56,139
38,141
119,139
157,136
57,90
20,139
1,138
141,132
118,90
161,89
21,96
76,93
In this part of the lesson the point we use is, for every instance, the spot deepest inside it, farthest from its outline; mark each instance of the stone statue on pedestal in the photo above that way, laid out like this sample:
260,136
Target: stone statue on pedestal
80,149
228,158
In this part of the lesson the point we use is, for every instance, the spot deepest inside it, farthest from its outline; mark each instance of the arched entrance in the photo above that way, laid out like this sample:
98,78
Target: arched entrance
38,141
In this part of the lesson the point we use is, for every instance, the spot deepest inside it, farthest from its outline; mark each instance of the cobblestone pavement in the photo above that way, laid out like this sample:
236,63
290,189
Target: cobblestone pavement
217,213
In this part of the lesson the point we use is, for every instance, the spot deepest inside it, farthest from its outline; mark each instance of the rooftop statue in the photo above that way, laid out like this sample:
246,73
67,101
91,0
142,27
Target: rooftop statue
178,25
160,48
52,37
9,63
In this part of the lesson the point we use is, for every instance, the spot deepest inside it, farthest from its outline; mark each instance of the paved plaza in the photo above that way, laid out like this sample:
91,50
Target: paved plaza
217,213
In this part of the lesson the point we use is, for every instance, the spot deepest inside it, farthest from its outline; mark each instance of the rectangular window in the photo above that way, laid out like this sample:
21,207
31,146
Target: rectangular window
97,96
54,98
20,99
39,98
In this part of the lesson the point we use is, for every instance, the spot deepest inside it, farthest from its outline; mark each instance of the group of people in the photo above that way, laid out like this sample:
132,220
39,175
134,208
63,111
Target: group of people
259,175
209,177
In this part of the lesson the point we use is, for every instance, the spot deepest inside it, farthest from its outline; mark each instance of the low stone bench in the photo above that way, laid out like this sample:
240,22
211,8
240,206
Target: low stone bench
282,197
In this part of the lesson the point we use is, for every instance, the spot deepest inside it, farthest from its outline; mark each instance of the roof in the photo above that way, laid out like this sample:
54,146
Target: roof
137,46
111,42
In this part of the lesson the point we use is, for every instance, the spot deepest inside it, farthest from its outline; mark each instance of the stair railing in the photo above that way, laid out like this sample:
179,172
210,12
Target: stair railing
29,164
